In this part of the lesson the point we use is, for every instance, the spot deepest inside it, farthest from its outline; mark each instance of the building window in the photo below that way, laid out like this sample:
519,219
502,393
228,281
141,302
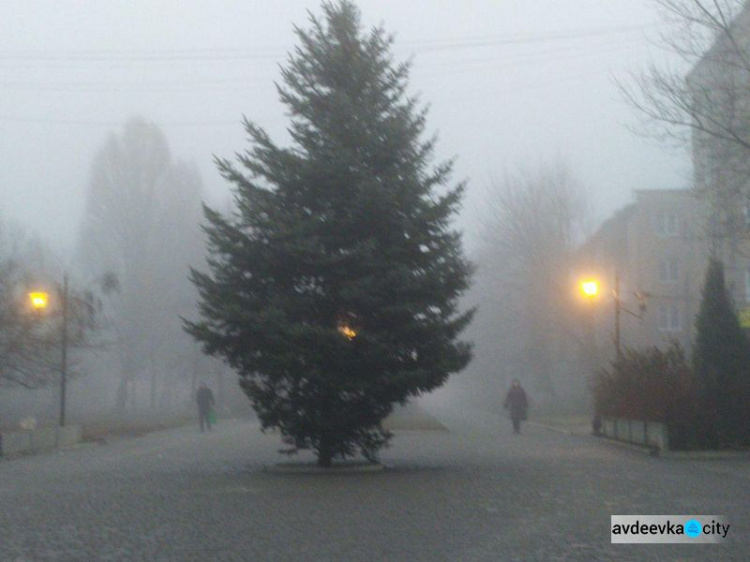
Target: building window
669,270
667,223
670,319
747,284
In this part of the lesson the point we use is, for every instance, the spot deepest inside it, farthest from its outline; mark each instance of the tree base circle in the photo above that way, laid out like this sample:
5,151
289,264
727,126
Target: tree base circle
344,467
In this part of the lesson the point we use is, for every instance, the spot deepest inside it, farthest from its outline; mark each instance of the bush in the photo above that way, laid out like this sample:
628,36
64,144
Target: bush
652,385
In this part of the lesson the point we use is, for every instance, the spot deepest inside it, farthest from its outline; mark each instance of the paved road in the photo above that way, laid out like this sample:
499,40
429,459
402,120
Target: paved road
476,492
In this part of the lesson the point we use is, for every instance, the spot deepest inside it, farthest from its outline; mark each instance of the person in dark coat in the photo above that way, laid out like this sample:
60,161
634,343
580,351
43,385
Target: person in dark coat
205,399
517,403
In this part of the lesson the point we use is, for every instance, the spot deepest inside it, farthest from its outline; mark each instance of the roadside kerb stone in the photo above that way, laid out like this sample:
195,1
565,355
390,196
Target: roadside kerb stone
645,449
706,455
549,427
307,468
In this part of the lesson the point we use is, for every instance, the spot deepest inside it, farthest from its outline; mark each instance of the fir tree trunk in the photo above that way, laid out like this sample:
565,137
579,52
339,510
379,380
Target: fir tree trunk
325,455
327,438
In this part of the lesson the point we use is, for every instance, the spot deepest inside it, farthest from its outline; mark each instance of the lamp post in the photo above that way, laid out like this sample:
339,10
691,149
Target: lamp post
619,309
39,302
64,344
590,288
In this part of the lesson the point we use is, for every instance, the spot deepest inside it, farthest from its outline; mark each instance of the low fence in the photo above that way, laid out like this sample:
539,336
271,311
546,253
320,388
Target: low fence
653,435
38,440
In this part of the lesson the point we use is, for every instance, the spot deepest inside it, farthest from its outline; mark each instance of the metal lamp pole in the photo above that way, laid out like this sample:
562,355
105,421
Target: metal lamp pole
590,289
619,309
64,342
39,301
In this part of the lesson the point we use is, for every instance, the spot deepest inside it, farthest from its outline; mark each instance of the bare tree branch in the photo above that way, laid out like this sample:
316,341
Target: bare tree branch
532,224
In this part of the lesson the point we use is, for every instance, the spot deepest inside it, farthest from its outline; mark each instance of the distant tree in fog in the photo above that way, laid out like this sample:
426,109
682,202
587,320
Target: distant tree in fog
679,100
702,104
141,223
532,223
333,289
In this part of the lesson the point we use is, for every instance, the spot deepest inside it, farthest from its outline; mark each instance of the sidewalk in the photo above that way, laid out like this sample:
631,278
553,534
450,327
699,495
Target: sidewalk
110,428
412,417
571,425
107,429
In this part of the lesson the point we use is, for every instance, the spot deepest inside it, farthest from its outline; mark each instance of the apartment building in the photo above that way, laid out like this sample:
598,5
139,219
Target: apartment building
719,94
653,253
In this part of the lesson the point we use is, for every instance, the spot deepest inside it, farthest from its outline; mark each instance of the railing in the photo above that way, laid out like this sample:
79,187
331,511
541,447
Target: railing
654,435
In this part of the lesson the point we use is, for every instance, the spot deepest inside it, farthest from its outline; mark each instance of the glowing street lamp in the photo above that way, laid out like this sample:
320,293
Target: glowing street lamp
590,288
38,300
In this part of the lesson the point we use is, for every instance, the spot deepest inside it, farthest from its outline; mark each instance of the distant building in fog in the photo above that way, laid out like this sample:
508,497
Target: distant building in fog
719,88
657,247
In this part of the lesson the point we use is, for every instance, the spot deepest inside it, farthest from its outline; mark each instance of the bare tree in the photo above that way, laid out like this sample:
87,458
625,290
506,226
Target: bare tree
30,341
142,223
711,45
534,220
703,103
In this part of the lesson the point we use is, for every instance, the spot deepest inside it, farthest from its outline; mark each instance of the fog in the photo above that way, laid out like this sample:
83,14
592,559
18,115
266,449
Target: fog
511,85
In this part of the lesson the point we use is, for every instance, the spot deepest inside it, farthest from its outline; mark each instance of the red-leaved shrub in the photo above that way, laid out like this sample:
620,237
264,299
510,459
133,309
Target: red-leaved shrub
652,385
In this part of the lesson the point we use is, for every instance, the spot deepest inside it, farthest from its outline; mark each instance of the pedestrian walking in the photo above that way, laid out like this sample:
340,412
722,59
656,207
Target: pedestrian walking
205,399
517,403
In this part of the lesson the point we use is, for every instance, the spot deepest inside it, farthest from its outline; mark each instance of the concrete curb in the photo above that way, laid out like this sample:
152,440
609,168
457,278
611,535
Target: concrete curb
706,455
602,439
650,451
680,455
307,468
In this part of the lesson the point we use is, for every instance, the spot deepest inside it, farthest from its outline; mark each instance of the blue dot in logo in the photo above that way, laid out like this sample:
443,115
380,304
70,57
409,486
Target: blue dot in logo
693,528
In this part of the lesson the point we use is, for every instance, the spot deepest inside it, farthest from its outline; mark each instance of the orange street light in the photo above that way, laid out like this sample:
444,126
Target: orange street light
38,300
590,288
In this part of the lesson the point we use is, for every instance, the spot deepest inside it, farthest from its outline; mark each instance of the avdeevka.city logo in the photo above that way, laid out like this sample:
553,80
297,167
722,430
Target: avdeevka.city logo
706,529
693,528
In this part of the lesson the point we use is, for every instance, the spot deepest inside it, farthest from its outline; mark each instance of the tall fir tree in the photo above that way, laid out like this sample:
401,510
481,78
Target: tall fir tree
333,290
721,358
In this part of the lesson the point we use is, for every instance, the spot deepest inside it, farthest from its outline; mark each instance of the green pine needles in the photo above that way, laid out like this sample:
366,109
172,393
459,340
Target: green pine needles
721,359
333,289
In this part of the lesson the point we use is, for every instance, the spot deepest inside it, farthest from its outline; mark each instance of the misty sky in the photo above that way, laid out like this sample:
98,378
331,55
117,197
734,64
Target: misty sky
510,82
